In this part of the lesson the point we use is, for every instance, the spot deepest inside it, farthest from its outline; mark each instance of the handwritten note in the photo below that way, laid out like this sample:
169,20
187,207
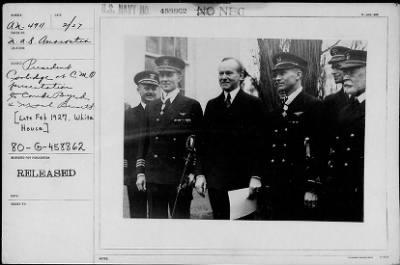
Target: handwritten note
48,98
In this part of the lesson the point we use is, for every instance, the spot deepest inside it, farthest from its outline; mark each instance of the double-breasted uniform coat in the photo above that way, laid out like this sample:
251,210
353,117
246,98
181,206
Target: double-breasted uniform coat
346,164
134,122
163,150
292,155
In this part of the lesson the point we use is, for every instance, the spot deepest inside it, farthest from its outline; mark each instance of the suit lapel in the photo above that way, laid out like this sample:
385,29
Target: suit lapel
236,103
221,100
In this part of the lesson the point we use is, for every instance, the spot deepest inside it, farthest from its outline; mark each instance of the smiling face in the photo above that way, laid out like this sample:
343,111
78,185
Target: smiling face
147,92
337,74
354,80
229,75
169,80
286,80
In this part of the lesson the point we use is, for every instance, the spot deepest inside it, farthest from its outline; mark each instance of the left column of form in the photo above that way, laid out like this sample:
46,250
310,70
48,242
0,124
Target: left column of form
48,132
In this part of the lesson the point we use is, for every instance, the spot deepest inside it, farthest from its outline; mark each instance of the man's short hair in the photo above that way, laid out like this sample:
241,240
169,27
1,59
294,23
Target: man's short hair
241,68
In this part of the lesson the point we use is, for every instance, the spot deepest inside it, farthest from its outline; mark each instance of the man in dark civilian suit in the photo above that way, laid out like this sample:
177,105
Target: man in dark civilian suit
229,153
347,165
147,86
292,151
169,121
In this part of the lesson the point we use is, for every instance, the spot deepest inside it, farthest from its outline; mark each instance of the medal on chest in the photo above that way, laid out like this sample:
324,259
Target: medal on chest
285,108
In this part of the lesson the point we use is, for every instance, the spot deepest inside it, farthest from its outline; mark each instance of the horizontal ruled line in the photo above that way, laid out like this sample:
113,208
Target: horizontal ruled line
56,44
66,153
43,29
49,200
53,59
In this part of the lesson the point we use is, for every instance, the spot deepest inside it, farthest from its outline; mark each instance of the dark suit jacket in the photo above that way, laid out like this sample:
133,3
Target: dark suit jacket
134,121
230,149
164,144
286,163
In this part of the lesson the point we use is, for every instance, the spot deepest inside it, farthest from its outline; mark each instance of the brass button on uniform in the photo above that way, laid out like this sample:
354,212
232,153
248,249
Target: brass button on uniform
157,120
275,131
352,135
272,161
273,145
348,149
173,157
157,138
346,164
155,156
174,139
283,160
284,145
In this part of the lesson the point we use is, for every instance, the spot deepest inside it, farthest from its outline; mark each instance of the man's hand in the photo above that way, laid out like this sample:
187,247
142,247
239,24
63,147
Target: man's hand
191,180
201,185
141,182
254,185
310,199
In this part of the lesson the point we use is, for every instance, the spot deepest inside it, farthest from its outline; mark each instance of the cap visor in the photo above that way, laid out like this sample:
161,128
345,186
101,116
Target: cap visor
350,64
336,60
167,69
149,82
286,67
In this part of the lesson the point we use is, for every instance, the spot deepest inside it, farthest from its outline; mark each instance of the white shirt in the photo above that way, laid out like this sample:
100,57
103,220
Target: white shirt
361,97
171,95
292,96
143,104
233,93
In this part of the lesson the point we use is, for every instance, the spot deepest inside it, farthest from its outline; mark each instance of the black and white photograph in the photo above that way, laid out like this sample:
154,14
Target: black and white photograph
246,136
245,129
200,133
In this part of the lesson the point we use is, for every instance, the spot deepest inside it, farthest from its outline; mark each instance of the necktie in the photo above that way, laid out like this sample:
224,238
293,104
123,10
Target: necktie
164,106
228,100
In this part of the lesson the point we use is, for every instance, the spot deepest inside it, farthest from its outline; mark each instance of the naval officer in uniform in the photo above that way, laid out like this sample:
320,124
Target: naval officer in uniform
147,86
292,151
335,101
347,166
169,120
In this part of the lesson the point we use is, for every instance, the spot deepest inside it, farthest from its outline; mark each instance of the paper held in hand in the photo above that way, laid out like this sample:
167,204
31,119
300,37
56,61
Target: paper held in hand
240,204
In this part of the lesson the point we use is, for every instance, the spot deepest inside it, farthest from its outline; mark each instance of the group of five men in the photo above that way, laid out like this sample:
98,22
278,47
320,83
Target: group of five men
303,160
